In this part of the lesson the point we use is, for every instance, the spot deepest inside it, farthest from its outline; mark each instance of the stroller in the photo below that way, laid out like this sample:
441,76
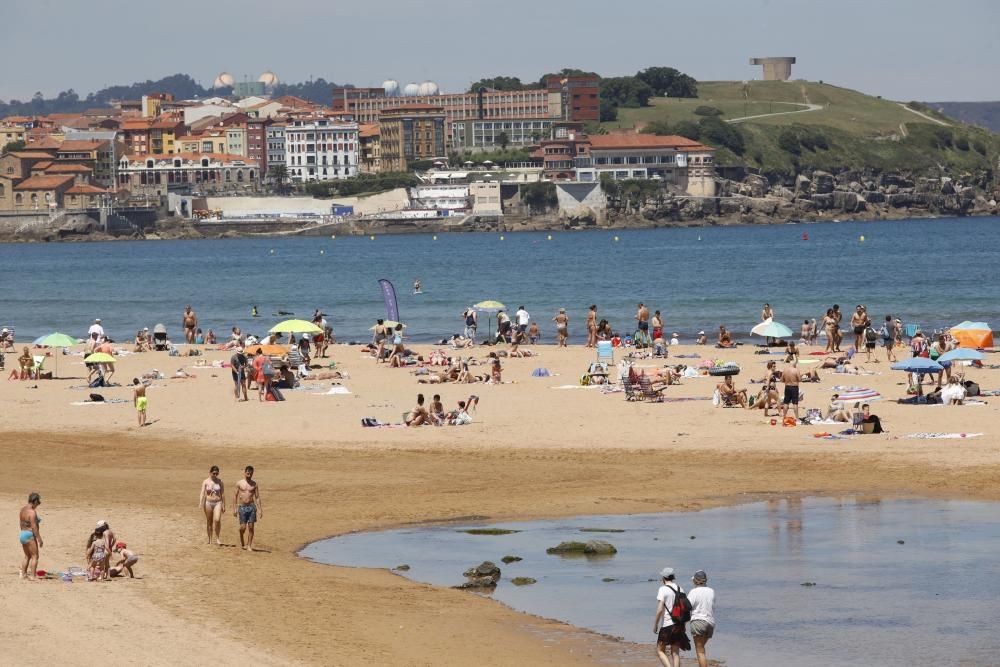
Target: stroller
159,338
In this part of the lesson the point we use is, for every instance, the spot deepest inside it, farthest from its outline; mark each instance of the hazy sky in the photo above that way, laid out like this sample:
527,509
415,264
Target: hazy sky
901,49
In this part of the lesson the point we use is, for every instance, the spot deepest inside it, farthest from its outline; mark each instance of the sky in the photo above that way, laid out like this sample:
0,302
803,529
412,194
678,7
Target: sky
901,49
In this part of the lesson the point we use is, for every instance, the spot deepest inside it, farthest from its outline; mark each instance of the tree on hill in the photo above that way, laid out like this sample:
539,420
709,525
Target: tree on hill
497,83
668,82
626,91
564,73
717,133
317,90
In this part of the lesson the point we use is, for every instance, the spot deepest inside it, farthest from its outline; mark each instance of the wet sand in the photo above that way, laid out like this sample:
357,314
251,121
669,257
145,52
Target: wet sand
534,451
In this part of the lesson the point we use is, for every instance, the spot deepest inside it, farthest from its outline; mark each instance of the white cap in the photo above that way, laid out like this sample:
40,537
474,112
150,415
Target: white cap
101,524
666,572
96,320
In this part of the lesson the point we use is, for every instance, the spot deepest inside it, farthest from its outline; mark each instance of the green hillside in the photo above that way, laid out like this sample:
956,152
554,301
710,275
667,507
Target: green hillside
820,126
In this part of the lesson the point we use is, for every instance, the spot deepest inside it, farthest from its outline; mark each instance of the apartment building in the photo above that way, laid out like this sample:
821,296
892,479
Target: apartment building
321,149
275,144
409,133
187,172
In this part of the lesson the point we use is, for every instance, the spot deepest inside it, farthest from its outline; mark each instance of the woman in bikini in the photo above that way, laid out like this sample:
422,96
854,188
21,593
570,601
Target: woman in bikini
30,538
212,501
830,324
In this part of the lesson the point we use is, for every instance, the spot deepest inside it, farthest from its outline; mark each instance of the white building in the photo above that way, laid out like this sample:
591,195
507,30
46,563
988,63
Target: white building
321,149
275,143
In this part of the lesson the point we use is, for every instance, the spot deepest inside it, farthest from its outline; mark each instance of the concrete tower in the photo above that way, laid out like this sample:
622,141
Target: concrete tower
775,69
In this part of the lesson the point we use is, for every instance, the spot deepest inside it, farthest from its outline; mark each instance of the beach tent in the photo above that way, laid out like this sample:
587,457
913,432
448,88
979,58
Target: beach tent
973,334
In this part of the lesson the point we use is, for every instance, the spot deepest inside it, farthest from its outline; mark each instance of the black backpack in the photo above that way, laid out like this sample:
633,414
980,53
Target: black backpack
870,335
680,612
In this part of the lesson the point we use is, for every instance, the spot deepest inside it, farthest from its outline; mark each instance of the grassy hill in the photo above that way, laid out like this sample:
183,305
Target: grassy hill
983,114
820,126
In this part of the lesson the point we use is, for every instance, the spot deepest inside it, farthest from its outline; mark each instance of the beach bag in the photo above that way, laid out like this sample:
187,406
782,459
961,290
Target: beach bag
716,398
267,368
96,398
97,382
971,388
680,612
870,335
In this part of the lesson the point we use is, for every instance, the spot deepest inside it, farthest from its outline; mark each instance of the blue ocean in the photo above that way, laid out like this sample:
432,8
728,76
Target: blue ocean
935,272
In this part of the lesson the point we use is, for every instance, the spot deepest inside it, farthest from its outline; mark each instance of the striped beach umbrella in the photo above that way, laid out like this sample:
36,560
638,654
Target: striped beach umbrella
857,395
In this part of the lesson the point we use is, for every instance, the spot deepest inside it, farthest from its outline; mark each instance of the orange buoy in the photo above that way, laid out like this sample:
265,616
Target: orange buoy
805,237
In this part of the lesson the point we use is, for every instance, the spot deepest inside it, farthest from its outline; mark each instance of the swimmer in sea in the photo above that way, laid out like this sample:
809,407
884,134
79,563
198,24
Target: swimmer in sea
416,286
213,501
253,311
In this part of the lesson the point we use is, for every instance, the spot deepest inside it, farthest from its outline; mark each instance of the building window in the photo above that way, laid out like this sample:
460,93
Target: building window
18,198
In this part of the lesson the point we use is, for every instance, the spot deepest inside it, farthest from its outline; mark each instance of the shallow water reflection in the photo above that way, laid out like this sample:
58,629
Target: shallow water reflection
933,598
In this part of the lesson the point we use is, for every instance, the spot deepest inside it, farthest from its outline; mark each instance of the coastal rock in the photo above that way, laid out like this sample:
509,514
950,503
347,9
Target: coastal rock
567,548
822,182
855,187
757,185
873,196
802,184
523,581
583,216
823,202
484,569
848,202
599,548
477,582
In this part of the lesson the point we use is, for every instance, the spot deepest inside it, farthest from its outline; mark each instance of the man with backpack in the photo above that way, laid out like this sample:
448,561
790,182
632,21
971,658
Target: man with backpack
470,324
673,610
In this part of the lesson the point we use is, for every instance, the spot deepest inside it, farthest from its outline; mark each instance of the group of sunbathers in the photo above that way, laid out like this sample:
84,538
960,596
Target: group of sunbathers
436,415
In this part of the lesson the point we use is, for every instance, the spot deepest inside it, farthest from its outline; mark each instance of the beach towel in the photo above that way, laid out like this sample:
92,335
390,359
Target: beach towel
941,436
336,389
580,386
107,401
687,356
540,373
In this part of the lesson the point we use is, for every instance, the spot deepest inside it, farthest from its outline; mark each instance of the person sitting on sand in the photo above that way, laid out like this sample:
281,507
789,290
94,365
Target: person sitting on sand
702,339
868,418
533,333
24,365
210,338
437,414
725,340
128,559
729,394
496,372
460,417
836,411
791,353
141,342
418,416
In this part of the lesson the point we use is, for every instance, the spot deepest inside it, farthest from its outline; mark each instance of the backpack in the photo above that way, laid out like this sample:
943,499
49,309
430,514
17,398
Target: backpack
680,612
266,368
870,335
469,319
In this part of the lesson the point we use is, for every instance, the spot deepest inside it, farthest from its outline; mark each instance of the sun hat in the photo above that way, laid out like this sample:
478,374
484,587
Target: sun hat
666,572
101,524
700,577
97,319
701,333
562,310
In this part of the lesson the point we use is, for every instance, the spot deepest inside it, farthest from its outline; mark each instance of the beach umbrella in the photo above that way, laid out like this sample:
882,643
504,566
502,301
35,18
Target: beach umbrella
962,354
295,326
489,307
56,340
918,365
857,394
973,334
99,358
771,329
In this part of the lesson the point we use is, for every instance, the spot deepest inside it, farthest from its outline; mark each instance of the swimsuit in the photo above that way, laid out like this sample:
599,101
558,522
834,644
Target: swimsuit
248,514
141,403
27,534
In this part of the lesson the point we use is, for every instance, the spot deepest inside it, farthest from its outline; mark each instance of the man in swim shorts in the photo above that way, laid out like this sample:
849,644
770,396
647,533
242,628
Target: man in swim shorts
791,377
643,316
247,507
140,400
190,324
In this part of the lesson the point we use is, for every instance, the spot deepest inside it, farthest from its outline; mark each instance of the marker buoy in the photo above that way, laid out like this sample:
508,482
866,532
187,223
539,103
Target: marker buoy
862,238
550,237
272,251
372,237
434,238
322,252
501,238
805,237
333,236
616,238
699,238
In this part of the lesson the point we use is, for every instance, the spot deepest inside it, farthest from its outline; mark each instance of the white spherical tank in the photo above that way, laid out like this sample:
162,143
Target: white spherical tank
428,88
411,90
391,87
269,79
224,80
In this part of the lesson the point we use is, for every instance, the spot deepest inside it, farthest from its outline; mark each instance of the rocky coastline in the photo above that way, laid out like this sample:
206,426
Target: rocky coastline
818,197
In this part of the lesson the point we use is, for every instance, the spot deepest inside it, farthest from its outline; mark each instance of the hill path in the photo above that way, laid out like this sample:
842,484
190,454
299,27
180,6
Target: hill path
808,107
923,115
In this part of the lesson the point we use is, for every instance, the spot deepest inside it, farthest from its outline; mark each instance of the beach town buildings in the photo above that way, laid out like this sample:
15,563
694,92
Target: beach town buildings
370,139
320,148
186,173
275,144
410,133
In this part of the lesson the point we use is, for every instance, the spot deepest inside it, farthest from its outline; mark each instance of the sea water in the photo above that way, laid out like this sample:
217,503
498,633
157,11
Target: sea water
932,272
811,583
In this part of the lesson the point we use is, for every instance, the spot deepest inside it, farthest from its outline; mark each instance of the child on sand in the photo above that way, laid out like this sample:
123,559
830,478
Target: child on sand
97,552
140,400
128,559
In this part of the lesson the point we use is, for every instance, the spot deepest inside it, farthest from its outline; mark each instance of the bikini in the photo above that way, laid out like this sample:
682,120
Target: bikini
216,489
27,534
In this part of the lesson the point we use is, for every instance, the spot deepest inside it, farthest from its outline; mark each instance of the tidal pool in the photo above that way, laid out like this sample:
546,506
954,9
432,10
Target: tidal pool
806,582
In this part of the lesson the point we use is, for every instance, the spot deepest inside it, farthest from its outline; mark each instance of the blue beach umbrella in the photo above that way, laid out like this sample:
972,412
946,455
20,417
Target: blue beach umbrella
918,365
962,354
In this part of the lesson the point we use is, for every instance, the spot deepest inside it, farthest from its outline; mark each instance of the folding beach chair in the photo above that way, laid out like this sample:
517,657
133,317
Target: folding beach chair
7,340
605,352
648,393
37,367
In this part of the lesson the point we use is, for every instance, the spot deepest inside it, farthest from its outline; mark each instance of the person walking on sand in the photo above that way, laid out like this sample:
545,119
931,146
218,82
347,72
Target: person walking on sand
702,600
562,326
859,321
791,377
140,400
888,334
670,635
190,324
247,507
238,365
592,326
212,501
470,324
30,538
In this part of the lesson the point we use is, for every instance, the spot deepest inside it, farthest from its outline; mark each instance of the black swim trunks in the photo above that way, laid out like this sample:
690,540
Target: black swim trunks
643,325
791,395
674,634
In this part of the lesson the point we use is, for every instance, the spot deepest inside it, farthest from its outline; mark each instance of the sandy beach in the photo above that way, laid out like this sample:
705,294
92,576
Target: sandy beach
534,450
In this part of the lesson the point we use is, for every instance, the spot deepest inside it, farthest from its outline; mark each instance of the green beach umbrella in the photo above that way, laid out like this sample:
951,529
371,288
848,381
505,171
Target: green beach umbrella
489,305
99,358
57,340
295,326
